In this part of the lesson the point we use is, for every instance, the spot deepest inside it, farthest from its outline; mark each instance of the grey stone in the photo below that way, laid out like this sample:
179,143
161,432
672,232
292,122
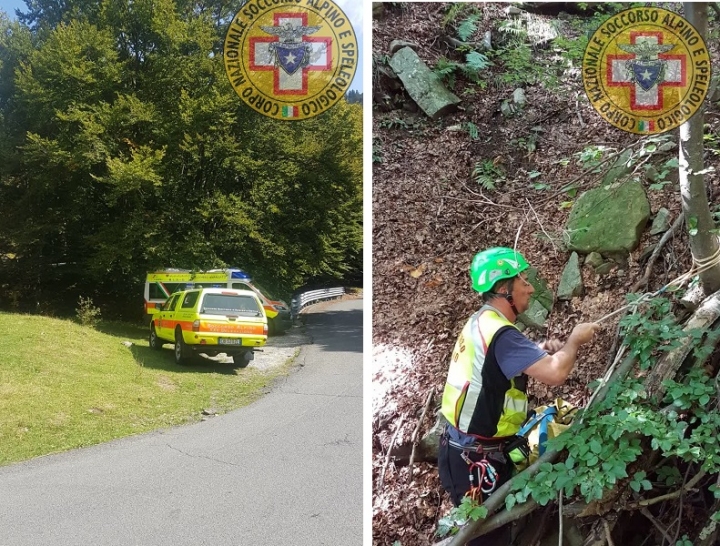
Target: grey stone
423,86
487,40
507,108
571,284
395,45
519,97
608,219
594,259
667,146
604,269
542,294
661,222
535,316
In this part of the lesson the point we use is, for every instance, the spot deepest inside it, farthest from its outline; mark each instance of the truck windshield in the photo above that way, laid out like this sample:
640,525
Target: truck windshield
227,304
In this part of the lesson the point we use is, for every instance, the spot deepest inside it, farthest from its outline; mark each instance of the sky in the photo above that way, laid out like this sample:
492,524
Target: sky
352,8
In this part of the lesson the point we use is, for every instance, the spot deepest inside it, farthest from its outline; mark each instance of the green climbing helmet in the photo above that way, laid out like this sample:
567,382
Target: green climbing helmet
494,264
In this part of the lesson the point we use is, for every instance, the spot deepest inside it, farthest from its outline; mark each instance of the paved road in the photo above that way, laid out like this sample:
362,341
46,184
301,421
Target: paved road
286,470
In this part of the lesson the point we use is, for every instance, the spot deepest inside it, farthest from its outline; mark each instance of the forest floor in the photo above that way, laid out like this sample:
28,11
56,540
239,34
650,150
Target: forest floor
430,217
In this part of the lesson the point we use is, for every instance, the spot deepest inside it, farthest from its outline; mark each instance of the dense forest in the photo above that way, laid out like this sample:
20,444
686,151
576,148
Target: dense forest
123,148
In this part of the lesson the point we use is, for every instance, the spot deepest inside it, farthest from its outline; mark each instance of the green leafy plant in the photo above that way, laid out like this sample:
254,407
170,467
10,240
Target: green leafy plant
471,129
469,510
487,174
394,123
87,313
468,27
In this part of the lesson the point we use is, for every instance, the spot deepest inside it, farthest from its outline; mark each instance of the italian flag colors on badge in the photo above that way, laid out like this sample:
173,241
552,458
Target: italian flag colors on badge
289,111
646,125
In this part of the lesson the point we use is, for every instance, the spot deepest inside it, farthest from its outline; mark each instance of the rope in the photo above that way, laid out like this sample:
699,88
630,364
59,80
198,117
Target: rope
699,266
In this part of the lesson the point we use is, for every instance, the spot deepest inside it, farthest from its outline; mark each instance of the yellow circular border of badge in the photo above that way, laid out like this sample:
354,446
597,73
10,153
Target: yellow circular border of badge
263,84
613,99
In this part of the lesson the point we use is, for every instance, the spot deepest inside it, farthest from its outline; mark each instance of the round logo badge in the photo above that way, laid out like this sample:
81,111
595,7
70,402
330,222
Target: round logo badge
646,70
290,60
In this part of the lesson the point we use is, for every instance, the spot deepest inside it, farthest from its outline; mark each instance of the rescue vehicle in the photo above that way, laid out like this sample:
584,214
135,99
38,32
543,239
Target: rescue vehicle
211,321
161,284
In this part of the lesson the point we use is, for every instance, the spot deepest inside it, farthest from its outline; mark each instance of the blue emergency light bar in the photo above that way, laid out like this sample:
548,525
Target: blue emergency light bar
239,274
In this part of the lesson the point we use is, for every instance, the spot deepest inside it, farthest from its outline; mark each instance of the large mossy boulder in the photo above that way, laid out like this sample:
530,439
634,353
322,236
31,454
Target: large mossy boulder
609,219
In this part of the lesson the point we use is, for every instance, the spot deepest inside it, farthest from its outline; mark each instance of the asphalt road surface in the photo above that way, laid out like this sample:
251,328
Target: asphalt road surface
286,470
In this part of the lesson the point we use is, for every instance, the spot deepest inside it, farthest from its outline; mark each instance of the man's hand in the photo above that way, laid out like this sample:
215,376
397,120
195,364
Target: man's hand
584,332
551,345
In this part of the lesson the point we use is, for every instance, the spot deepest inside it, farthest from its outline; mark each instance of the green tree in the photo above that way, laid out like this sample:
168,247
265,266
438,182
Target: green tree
128,150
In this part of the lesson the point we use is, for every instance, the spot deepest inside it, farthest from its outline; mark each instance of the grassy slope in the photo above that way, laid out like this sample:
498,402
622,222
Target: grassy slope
64,386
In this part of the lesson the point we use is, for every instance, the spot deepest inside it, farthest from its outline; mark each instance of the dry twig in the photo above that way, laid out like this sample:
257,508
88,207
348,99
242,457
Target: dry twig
381,480
414,438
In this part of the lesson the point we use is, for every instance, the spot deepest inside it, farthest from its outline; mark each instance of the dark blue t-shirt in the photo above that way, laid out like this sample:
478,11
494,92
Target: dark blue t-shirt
515,353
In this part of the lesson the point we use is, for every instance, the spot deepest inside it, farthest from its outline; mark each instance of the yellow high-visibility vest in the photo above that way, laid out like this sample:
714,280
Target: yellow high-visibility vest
478,399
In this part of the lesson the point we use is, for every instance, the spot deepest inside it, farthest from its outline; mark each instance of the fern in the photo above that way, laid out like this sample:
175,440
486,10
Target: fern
445,69
487,174
477,61
468,27
472,129
453,12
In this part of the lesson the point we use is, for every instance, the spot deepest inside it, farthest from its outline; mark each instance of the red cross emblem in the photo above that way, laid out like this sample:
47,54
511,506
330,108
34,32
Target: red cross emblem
264,51
672,70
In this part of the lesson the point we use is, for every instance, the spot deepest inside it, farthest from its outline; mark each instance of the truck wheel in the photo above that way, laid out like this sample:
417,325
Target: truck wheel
241,360
155,342
182,353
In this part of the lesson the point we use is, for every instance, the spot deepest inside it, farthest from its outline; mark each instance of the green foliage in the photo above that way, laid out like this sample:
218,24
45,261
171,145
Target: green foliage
124,149
468,27
447,69
667,167
471,129
487,174
601,451
651,331
87,313
469,510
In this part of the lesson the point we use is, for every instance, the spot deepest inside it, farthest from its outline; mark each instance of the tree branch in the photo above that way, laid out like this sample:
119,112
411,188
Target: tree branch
675,494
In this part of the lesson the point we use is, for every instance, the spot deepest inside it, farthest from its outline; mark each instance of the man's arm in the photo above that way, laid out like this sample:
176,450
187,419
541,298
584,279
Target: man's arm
554,369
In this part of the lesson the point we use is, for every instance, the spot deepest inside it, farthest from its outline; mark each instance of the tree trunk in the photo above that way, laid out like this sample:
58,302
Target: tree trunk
698,217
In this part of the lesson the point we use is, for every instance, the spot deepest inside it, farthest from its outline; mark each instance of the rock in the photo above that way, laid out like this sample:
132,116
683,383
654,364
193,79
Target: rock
519,97
212,412
594,259
127,343
487,40
423,85
542,293
609,219
378,9
395,45
667,146
604,268
661,222
571,284
507,108
535,316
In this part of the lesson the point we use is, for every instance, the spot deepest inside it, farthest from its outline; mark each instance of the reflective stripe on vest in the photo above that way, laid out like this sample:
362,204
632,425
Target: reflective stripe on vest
465,382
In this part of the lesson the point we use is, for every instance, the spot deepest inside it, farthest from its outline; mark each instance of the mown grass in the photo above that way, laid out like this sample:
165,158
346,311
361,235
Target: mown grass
64,386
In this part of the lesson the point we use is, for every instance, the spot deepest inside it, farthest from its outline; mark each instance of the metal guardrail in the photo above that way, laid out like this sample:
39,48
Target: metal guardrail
299,302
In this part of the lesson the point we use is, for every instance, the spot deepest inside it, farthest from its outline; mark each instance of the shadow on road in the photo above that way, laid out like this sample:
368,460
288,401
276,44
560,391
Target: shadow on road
337,330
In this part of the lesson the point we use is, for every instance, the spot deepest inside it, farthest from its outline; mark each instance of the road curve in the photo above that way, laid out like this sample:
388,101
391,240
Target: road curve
286,470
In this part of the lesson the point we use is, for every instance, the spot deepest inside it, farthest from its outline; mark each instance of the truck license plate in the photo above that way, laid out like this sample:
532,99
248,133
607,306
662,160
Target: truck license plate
229,341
